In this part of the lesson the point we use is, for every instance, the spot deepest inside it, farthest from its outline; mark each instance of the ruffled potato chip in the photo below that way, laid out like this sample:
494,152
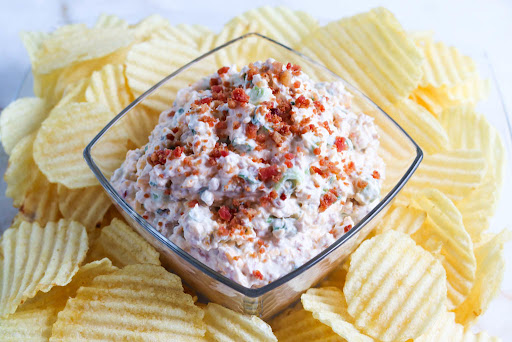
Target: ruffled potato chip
405,219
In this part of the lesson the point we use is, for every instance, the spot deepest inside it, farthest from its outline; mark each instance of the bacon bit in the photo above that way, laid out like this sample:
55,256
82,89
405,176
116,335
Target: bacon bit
349,168
146,195
288,164
319,106
217,152
192,203
221,125
236,124
239,95
224,213
214,82
361,184
296,84
326,201
261,250
285,78
260,242
341,144
223,231
206,100
175,130
176,153
283,196
277,138
325,124
170,137
257,274
145,217
171,113
289,156
376,174
261,138
223,70
288,66
208,119
217,89
347,228
251,131
315,169
158,157
236,258
302,102
231,103
296,69
270,172
317,151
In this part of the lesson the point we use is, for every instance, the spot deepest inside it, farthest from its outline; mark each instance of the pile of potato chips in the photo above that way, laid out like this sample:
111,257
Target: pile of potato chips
71,269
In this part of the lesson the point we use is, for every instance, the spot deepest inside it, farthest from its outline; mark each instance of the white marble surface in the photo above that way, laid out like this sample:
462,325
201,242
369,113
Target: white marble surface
481,29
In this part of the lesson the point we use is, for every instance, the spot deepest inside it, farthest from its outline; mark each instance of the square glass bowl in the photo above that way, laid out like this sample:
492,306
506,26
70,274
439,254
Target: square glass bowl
400,153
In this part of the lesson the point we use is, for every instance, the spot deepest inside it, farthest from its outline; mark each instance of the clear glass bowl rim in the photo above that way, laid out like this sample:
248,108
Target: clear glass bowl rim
249,292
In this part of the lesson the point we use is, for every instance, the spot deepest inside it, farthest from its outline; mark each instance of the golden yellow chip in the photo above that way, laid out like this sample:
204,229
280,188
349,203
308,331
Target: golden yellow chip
444,228
184,34
75,43
372,52
28,325
446,329
147,26
444,65
59,145
84,205
280,23
108,86
74,92
420,125
435,100
455,173
123,246
225,325
328,305
474,89
395,290
300,325
110,21
139,302
405,219
32,42
470,130
489,275
478,208
36,259
28,187
149,62
138,124
19,119
34,319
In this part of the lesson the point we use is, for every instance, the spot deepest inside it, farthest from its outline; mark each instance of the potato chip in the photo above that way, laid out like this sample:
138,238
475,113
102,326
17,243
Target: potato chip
435,100
224,325
372,52
470,130
139,302
455,173
60,142
444,65
300,325
110,21
108,86
36,259
84,205
123,246
28,187
74,92
420,125
405,219
446,329
19,119
34,319
149,25
32,42
444,227
395,290
184,34
280,23
328,305
28,325
75,43
473,90
149,62
138,124
478,208
489,275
